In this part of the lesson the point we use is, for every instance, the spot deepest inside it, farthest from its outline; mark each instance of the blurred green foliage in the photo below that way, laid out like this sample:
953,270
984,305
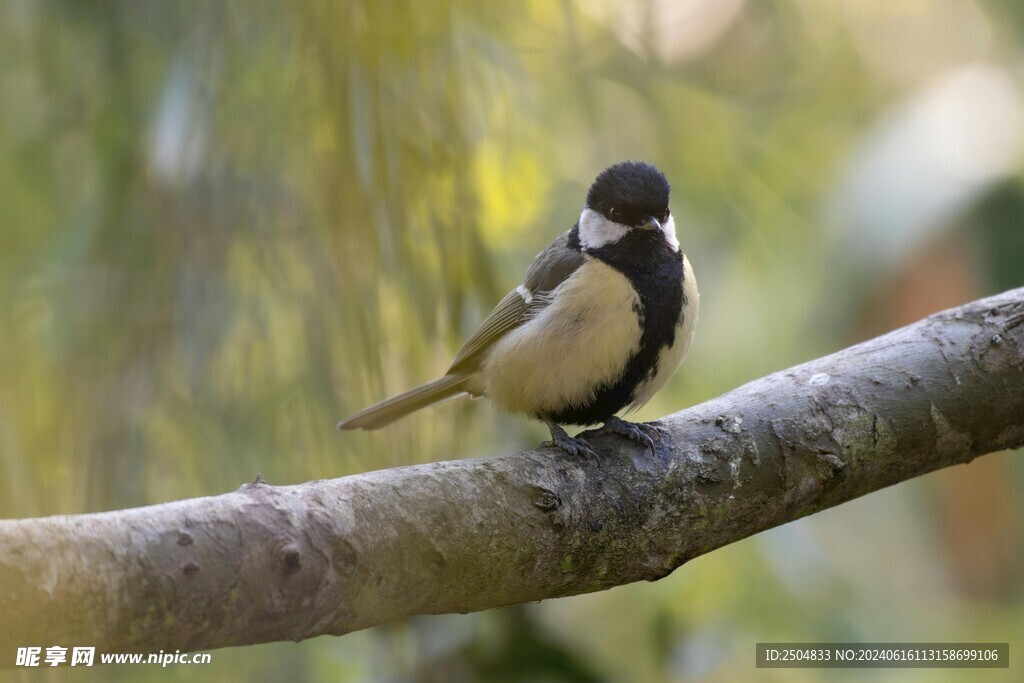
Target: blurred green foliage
225,225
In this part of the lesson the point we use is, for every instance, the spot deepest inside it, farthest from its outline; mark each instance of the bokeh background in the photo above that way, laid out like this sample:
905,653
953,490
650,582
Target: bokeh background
225,225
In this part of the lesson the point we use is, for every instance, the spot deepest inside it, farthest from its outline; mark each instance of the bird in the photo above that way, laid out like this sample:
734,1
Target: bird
604,317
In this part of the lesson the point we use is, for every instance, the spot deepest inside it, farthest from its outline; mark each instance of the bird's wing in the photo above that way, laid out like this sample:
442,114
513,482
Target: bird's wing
552,266
506,316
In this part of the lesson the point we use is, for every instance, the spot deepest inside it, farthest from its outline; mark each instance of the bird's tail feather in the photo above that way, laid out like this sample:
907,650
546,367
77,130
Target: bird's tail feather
389,410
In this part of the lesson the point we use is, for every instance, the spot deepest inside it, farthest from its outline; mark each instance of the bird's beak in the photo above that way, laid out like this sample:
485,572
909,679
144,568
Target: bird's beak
651,223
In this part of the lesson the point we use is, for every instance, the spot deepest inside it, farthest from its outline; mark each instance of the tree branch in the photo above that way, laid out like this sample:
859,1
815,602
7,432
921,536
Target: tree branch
270,563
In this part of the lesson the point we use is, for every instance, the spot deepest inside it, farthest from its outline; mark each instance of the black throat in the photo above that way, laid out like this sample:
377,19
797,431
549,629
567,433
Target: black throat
656,272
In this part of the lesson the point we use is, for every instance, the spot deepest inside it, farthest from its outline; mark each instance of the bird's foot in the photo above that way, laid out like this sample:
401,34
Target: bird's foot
572,446
644,433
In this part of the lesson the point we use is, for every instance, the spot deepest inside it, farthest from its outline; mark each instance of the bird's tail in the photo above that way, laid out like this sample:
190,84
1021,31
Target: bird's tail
389,410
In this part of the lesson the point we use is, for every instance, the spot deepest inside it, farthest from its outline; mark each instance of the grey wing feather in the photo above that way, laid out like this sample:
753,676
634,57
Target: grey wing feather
552,266
506,316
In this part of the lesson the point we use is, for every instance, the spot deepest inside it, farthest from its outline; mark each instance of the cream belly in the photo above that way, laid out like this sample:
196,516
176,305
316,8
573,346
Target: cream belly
672,357
578,343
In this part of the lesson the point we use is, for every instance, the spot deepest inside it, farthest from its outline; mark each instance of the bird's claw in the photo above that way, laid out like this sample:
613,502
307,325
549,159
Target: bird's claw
657,427
577,447
573,446
646,434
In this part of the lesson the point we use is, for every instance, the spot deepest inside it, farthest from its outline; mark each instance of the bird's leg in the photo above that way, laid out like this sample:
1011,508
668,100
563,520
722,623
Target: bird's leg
642,433
567,443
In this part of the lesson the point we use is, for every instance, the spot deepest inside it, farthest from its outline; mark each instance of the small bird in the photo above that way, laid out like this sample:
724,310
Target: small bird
603,319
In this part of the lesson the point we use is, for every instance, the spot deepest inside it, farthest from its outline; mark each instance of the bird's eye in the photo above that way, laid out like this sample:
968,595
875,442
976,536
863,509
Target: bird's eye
613,213
664,219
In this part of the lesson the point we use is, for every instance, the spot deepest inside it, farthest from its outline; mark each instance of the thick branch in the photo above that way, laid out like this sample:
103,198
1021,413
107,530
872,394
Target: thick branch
269,563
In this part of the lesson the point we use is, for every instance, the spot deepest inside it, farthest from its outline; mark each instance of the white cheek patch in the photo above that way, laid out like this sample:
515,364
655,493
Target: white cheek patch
669,228
597,231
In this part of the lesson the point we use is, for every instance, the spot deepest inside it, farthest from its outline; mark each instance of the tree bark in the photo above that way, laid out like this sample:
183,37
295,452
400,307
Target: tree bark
267,563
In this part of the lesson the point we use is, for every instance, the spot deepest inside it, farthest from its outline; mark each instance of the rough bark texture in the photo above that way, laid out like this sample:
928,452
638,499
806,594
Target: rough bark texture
269,563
